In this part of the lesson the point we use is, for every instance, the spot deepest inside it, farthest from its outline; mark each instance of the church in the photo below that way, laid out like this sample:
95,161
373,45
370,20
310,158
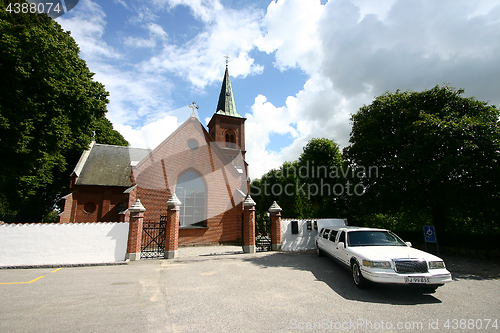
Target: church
204,168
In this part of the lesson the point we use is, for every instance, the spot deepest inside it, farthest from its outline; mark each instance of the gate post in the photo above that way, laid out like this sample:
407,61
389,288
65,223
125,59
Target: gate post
275,211
135,231
249,225
172,232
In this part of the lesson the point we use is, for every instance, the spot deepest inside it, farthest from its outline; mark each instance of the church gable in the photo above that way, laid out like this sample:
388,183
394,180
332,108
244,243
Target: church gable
190,149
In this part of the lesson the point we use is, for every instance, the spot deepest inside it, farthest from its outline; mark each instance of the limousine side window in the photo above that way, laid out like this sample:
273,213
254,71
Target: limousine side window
325,234
342,237
333,234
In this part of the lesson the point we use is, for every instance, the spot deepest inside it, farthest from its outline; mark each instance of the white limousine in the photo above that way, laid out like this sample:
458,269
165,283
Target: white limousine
380,256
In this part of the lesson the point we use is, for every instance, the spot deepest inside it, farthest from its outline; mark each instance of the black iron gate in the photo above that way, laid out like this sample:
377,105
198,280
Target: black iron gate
262,236
153,239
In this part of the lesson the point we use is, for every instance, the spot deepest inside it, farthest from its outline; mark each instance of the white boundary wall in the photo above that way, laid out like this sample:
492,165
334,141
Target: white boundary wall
305,239
51,243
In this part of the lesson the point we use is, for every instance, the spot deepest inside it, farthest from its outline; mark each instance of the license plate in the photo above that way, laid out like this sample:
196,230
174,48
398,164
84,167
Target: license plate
416,279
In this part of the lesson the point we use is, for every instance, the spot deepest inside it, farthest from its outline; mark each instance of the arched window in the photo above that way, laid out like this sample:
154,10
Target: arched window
190,190
230,137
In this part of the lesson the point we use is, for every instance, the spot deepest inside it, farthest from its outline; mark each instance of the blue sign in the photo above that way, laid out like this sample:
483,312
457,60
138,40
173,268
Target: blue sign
430,234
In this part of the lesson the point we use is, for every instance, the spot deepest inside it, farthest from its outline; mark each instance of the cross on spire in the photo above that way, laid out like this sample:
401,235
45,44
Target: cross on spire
226,105
227,60
194,107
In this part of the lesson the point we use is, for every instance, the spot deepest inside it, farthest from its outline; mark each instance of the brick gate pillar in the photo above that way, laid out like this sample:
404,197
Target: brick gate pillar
135,231
249,225
275,211
172,232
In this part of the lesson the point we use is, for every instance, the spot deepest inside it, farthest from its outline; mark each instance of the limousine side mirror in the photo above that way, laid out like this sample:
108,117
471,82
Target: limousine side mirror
340,245
408,243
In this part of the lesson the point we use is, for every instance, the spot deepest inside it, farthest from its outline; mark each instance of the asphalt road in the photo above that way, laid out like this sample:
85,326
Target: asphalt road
264,292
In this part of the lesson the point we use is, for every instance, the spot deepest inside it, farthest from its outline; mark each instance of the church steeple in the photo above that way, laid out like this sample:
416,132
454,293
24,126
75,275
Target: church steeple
226,105
227,126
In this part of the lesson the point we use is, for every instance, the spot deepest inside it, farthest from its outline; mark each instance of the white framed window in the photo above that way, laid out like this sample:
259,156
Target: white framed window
191,192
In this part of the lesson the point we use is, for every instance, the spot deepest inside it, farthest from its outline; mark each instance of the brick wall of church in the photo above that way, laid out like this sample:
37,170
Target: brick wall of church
96,204
156,178
219,125
224,228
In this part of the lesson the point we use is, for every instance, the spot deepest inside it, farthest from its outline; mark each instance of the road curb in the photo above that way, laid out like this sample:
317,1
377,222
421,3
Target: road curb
116,263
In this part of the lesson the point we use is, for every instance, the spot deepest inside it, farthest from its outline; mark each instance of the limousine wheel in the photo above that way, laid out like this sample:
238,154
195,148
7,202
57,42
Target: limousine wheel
357,277
319,251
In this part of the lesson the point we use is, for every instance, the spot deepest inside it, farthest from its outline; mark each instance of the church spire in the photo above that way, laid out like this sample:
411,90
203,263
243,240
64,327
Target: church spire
226,105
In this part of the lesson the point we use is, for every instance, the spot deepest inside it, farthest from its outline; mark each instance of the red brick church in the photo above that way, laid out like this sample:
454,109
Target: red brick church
206,169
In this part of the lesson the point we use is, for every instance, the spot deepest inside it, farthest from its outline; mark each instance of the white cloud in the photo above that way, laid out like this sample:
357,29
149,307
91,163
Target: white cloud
380,8
121,2
264,120
226,32
136,98
156,34
317,111
87,27
204,10
291,31
150,135
418,45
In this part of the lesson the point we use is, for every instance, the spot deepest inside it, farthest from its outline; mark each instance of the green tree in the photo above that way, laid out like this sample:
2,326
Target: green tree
293,200
280,185
320,169
437,154
49,107
304,188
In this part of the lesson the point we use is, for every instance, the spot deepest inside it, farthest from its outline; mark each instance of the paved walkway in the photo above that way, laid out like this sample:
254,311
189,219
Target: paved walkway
203,251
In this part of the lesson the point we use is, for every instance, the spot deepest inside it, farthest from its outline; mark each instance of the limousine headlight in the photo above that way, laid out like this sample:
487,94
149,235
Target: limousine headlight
377,264
436,264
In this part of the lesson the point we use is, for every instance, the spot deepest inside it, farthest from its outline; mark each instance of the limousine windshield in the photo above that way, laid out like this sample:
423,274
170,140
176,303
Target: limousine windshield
373,238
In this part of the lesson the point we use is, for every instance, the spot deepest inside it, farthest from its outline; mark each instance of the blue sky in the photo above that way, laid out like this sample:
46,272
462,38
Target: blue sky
299,68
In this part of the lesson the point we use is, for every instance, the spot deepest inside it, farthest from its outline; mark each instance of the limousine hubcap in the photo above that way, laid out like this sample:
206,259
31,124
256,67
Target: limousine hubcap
356,274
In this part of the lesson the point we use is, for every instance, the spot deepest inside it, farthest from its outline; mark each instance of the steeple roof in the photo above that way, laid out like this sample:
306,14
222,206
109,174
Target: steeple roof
226,105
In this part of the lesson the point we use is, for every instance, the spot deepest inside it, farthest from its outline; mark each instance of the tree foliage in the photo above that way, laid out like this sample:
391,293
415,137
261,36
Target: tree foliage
49,107
303,188
281,185
436,152
320,164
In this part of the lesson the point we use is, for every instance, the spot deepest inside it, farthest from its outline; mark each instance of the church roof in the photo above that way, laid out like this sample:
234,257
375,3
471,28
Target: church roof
107,165
226,105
